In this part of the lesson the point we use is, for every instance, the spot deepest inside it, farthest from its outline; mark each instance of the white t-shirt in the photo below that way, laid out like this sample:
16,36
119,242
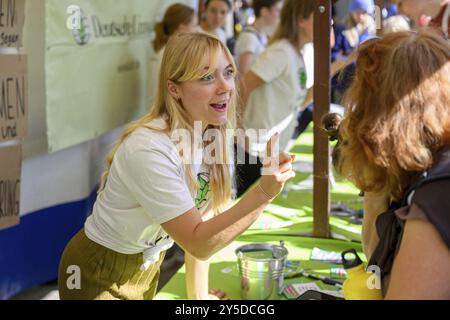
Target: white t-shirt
274,105
146,187
308,58
250,41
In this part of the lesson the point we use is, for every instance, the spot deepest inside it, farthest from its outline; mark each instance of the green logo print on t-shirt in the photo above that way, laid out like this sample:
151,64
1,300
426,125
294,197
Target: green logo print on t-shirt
203,190
303,78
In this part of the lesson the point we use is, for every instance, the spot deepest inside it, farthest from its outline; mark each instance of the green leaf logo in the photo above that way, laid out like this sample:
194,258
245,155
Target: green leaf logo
203,189
83,33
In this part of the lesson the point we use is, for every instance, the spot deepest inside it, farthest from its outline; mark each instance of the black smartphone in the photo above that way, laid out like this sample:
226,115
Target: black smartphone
317,295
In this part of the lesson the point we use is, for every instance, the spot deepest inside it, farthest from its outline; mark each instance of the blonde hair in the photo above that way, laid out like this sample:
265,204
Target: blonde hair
182,61
293,11
397,111
174,16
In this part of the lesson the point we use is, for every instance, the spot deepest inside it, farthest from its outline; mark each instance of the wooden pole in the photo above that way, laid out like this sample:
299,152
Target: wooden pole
322,98
379,4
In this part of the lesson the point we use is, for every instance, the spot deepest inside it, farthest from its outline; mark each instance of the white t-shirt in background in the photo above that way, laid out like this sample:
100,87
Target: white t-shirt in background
308,57
250,41
274,105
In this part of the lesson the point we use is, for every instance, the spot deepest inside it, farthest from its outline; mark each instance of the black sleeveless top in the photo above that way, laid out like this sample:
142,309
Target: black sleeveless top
431,193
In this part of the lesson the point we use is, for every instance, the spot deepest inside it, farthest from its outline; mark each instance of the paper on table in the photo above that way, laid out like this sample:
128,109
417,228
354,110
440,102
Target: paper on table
318,254
301,288
265,224
227,270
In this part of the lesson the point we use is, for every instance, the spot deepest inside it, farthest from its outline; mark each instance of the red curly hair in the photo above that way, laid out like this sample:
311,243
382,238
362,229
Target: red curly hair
397,111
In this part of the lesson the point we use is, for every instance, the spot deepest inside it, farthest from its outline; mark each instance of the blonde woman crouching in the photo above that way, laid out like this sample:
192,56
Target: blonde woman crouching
153,191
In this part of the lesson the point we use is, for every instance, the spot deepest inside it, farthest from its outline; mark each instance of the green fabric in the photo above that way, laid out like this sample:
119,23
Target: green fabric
288,218
104,274
224,274
291,212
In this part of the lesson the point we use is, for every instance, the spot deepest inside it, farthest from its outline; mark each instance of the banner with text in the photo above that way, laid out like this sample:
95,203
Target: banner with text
13,97
96,65
12,17
10,169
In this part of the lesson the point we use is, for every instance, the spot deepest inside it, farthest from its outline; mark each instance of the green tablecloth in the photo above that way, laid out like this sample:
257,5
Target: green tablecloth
288,218
224,273
291,212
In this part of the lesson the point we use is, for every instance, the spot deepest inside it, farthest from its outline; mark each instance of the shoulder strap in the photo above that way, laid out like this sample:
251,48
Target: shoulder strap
407,199
390,228
439,171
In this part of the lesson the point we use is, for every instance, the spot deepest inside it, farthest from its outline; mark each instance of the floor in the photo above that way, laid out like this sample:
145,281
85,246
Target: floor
49,291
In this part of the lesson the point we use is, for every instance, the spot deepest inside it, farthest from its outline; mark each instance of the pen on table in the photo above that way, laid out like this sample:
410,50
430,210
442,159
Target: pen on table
321,278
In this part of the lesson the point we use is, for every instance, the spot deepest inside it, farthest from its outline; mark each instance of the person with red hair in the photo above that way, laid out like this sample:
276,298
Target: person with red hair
394,145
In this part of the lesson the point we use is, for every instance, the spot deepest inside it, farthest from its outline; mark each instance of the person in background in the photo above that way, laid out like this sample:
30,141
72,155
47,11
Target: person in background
361,25
274,89
245,14
253,39
277,87
340,50
342,81
341,47
435,12
395,133
216,12
305,116
396,24
177,18
390,9
157,189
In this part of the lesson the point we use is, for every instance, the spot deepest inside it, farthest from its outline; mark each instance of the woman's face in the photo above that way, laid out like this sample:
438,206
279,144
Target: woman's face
216,13
358,16
307,28
272,15
208,99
